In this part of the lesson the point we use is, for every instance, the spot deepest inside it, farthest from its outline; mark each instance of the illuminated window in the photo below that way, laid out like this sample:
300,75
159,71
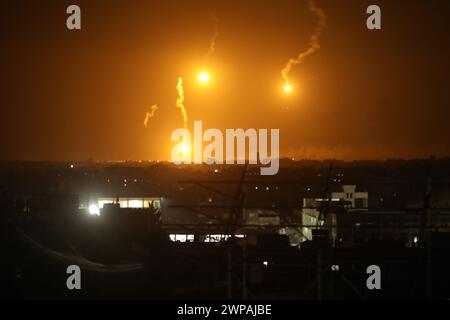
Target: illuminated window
220,237
148,202
123,203
181,237
135,203
94,210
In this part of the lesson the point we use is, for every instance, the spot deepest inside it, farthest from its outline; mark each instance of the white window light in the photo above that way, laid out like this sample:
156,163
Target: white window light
94,210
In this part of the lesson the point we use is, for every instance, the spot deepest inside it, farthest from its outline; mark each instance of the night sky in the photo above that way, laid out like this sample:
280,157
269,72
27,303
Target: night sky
74,95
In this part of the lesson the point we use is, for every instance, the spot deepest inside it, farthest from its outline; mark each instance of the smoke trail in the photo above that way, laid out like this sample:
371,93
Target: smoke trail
180,101
314,43
150,114
212,46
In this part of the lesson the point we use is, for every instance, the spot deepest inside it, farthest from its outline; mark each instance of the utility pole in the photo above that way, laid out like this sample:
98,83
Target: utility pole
326,195
425,228
324,208
319,273
244,268
229,274
236,211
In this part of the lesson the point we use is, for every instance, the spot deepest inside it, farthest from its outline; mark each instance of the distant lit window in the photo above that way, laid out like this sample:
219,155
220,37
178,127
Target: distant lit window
215,237
148,203
220,237
94,210
181,237
123,203
135,204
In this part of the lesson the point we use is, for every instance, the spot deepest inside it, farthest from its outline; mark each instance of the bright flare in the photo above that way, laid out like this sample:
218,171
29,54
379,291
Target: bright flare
203,77
185,149
287,88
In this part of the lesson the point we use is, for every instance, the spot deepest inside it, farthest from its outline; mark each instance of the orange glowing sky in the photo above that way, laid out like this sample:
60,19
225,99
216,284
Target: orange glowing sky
78,95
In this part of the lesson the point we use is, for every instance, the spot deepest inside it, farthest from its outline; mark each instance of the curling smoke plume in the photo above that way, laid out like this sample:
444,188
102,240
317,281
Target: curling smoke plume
180,101
212,46
150,114
314,43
